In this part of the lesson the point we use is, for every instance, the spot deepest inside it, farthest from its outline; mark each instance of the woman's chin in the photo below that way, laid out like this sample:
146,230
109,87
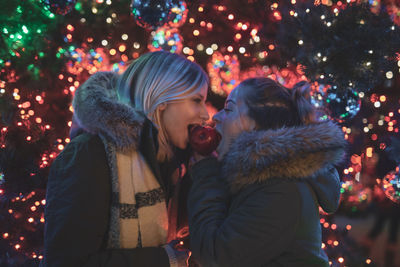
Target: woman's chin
180,145
183,146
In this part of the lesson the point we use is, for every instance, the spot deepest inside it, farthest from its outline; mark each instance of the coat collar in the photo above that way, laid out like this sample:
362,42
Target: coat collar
97,110
286,153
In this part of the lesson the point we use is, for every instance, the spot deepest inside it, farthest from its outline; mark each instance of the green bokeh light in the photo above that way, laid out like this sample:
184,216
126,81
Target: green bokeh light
25,29
78,6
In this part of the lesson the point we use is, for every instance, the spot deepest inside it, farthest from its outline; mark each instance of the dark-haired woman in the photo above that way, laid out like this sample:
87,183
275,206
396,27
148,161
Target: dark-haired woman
258,203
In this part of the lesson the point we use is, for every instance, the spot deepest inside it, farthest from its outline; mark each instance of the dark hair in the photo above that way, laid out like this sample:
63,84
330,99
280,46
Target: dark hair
274,106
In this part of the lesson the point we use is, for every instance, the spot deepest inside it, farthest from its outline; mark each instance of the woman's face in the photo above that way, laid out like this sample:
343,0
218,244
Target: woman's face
178,116
232,120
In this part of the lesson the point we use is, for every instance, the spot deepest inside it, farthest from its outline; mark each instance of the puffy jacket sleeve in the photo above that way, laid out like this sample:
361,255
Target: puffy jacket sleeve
77,212
326,184
250,234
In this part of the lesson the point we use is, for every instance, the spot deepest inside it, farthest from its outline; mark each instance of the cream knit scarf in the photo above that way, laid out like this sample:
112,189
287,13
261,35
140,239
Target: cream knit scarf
139,216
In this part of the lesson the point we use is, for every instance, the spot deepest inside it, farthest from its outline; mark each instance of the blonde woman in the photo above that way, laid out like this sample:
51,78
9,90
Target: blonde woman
112,194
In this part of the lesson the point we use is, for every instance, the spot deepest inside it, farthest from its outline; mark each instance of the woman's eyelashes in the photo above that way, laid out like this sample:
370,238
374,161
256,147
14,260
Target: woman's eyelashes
227,108
198,100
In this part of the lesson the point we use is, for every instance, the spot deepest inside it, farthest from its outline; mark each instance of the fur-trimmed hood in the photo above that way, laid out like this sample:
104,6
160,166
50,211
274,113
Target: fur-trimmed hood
98,111
286,153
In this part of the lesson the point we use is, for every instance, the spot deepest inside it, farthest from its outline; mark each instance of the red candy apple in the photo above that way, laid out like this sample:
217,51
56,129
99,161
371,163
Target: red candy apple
204,140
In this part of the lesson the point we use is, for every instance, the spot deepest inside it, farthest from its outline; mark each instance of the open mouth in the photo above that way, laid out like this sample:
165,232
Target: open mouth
191,126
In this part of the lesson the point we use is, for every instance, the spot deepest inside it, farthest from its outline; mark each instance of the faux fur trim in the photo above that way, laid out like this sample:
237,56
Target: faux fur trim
286,153
97,110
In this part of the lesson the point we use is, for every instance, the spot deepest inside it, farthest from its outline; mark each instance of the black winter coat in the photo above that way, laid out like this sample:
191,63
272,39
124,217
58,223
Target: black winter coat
77,212
260,205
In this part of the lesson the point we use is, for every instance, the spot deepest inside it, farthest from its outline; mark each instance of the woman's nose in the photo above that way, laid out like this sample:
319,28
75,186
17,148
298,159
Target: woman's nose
204,114
217,117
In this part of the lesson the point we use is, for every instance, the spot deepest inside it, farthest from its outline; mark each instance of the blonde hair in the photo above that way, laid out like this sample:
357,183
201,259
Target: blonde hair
156,78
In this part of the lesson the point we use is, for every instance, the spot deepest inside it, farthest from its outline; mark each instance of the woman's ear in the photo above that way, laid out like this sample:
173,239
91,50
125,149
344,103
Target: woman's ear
251,124
247,123
162,106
